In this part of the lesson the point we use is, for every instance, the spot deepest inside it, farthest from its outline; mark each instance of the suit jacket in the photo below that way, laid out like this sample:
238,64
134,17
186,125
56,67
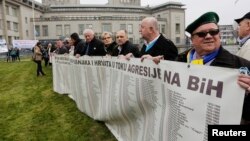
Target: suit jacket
110,48
163,47
94,48
127,47
228,60
79,47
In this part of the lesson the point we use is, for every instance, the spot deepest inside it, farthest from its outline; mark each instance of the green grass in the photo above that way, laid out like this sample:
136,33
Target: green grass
31,111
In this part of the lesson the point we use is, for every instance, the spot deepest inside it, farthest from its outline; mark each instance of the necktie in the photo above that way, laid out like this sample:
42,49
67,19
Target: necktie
87,50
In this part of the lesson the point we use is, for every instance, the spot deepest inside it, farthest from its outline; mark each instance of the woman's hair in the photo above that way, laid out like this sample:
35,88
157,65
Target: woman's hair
38,43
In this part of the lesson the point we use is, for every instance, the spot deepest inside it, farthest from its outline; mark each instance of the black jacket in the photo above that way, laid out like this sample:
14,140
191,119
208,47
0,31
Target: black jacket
110,48
95,48
163,47
127,47
79,47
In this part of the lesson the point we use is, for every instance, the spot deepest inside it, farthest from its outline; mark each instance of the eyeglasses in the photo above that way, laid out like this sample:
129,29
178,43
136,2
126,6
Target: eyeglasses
104,38
212,32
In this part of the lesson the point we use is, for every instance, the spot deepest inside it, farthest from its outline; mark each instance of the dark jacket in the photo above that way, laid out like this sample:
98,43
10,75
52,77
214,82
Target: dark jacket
110,49
95,48
127,47
62,50
227,60
163,47
79,47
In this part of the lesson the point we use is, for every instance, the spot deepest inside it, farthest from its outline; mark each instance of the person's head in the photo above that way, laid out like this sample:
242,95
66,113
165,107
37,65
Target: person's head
38,44
49,45
244,26
70,42
205,34
107,38
149,28
121,37
66,40
89,35
59,43
74,37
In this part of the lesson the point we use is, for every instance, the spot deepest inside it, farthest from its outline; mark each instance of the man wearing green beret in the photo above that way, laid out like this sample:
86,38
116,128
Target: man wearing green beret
207,50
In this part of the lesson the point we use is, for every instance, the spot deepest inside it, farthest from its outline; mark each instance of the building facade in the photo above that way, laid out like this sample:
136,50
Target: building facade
228,34
15,19
55,19
60,2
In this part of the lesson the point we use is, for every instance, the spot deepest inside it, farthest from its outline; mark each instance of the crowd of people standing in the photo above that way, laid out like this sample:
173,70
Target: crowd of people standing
206,50
13,55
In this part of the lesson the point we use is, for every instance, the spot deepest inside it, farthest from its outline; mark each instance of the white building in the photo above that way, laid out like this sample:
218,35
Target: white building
59,18
228,34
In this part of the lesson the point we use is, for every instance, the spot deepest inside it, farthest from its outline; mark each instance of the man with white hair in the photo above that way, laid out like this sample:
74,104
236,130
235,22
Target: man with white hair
93,46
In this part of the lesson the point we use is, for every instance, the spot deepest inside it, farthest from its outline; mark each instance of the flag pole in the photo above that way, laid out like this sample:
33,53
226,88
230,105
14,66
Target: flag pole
34,21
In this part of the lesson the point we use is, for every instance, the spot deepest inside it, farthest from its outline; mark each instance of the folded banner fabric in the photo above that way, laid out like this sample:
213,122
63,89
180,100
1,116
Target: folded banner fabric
142,101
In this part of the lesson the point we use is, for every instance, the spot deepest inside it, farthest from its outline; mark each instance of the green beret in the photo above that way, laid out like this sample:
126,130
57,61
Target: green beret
209,17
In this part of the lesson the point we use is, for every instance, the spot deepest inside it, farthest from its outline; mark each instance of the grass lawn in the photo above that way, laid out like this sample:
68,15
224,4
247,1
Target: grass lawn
31,111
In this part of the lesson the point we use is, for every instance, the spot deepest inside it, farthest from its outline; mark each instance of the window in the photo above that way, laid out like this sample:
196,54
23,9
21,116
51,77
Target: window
58,30
106,27
8,25
26,20
45,30
1,26
177,40
15,26
66,30
7,10
80,29
37,30
14,12
131,40
130,28
9,40
163,28
27,33
123,27
89,26
177,28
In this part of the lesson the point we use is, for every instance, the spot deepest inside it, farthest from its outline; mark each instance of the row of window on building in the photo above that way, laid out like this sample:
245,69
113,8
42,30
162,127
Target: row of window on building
12,11
64,30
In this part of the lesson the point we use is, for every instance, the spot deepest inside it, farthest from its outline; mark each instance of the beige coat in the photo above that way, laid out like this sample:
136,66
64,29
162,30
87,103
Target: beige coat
38,53
244,52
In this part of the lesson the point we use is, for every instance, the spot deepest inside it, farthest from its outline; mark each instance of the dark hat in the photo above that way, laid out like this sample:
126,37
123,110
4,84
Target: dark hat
247,16
209,17
74,36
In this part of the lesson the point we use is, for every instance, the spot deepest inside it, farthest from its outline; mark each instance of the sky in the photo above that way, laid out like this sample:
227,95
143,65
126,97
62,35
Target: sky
228,10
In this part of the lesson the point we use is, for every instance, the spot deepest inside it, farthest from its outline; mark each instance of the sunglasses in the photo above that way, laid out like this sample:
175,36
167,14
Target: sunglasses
212,32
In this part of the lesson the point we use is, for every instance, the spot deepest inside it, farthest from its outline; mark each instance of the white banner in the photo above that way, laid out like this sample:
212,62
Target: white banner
24,43
149,102
3,46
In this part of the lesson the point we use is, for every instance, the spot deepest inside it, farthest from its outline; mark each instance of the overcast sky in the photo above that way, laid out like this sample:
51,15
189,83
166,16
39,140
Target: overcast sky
228,10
